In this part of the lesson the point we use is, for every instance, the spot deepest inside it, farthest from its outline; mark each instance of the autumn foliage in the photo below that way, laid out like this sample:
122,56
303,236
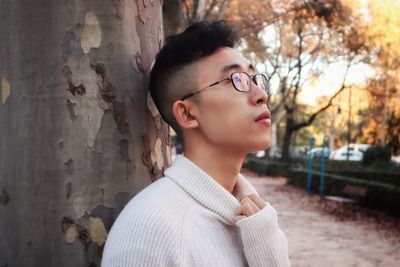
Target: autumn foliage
295,42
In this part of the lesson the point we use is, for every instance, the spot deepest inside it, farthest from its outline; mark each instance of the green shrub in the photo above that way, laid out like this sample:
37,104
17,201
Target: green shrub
383,188
334,165
301,160
376,153
266,167
385,172
392,178
380,196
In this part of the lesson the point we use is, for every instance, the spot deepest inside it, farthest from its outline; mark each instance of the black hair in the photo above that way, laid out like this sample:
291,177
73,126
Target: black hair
199,40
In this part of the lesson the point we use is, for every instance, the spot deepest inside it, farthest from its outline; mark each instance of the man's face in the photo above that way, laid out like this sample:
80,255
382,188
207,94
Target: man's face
227,117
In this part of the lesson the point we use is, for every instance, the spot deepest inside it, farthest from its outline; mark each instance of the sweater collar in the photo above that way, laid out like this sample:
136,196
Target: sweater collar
208,192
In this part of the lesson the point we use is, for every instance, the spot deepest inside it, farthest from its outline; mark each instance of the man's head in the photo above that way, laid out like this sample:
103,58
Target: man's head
174,71
201,56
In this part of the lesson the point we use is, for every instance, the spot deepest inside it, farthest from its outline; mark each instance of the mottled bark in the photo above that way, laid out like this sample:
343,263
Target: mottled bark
173,19
78,134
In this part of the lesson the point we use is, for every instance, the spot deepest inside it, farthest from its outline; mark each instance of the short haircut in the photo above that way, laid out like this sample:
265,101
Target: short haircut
174,73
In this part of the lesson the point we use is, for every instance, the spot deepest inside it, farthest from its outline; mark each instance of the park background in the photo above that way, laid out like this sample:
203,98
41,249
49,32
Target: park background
80,136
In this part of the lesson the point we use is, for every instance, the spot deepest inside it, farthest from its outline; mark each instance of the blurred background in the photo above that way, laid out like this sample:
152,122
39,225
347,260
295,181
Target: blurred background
80,136
333,66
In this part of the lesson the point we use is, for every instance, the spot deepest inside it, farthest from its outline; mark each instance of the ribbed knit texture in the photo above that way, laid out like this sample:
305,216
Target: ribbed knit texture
187,219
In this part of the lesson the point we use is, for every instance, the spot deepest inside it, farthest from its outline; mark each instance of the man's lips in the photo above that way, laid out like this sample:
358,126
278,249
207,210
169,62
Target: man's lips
264,117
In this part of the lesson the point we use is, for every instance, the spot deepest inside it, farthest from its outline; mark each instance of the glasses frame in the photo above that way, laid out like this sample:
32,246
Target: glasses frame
230,78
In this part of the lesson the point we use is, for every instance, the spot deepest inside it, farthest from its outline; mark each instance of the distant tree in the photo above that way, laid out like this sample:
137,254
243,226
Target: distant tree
343,112
296,42
178,14
382,119
381,30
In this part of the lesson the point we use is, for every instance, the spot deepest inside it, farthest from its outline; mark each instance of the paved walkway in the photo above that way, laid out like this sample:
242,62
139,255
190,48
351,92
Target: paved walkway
328,234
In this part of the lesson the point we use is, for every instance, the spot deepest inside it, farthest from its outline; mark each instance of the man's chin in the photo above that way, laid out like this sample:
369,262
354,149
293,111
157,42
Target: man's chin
266,144
259,147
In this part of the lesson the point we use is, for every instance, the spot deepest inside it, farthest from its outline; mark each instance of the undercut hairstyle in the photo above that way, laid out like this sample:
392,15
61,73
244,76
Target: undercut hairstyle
174,71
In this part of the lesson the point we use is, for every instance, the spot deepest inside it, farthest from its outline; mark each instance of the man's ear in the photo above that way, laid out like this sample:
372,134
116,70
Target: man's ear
181,111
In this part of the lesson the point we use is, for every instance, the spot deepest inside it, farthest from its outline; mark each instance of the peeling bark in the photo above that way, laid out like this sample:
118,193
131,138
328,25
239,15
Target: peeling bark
73,151
144,12
70,107
4,198
91,33
5,90
119,8
97,232
68,189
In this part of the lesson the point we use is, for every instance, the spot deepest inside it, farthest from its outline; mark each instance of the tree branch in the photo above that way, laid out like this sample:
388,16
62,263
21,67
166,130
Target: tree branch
298,76
312,117
186,5
210,8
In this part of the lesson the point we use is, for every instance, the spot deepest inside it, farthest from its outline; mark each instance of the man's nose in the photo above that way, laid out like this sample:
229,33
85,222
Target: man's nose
259,96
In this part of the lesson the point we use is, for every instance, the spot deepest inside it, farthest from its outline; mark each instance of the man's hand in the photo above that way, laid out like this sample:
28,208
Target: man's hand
249,205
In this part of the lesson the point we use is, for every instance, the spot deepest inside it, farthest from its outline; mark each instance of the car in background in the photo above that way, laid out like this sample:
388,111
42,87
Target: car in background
396,159
353,155
260,154
355,151
264,153
316,152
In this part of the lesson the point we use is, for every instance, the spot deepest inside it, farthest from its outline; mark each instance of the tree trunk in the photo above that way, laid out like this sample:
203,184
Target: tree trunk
277,117
78,134
287,139
173,18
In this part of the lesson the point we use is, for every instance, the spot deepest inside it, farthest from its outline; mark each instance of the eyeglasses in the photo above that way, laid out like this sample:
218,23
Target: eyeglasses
241,81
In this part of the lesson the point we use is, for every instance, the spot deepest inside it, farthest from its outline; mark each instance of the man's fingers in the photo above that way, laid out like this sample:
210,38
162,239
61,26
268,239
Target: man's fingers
257,200
250,202
247,208
249,205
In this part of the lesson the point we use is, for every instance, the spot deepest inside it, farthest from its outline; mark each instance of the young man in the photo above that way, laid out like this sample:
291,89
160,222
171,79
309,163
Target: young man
203,212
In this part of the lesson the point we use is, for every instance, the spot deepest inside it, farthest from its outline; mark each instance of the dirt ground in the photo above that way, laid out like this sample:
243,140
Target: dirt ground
325,233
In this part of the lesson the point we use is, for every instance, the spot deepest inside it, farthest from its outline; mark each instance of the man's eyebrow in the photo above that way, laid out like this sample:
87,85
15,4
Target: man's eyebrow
235,66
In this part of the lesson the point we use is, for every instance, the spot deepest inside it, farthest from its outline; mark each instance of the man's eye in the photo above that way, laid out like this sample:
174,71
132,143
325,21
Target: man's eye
236,79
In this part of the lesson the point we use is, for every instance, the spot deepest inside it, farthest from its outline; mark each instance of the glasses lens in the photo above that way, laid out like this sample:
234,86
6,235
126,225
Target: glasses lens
261,81
241,81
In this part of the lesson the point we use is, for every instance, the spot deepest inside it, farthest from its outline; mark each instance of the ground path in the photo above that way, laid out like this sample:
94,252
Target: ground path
324,233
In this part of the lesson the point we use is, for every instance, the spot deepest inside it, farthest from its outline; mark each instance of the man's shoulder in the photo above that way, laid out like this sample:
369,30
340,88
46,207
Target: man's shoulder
157,194
152,218
159,201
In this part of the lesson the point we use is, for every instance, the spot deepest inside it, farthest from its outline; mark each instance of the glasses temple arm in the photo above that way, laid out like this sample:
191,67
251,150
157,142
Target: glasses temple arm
198,91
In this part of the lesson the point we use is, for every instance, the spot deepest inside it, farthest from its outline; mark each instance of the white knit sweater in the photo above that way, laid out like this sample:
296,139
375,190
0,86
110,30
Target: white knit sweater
187,219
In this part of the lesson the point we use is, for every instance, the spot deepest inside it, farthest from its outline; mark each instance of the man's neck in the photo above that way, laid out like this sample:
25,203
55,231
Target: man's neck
222,166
